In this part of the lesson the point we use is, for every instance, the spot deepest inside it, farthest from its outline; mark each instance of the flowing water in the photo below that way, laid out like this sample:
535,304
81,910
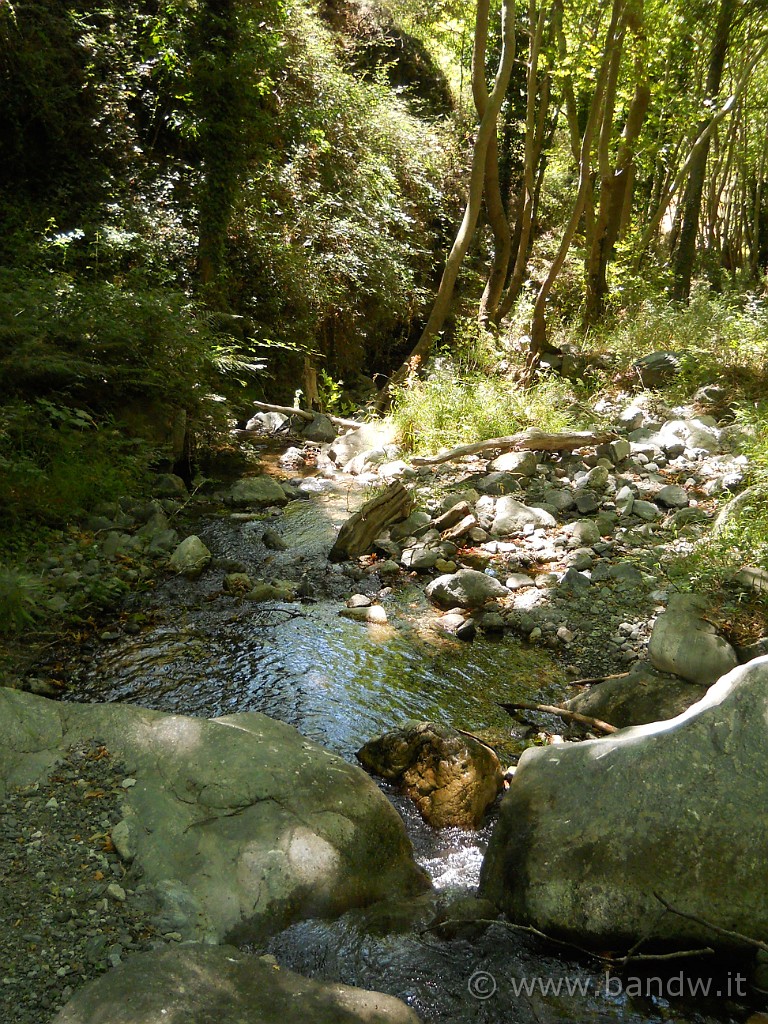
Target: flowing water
341,682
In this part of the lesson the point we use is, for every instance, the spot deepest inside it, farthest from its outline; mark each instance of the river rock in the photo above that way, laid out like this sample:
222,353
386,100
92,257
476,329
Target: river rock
588,832
258,491
673,496
190,558
517,463
640,697
201,984
466,588
512,516
319,429
452,778
686,644
254,824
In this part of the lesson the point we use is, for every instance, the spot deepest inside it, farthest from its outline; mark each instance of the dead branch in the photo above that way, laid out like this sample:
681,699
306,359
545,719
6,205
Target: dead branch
569,716
712,927
357,535
591,680
616,961
288,410
533,440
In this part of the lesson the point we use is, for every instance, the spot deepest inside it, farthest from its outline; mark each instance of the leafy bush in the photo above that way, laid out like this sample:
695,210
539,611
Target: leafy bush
19,605
57,462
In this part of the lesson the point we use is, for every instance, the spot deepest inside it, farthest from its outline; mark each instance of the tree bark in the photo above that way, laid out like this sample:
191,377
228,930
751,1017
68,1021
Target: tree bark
468,224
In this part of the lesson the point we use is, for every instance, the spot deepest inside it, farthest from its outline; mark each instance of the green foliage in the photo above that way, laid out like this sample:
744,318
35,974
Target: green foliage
19,600
449,408
57,462
720,339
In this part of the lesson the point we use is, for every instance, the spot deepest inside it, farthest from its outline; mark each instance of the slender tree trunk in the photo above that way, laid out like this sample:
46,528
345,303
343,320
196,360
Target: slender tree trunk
533,141
701,140
468,224
615,196
494,204
538,320
686,247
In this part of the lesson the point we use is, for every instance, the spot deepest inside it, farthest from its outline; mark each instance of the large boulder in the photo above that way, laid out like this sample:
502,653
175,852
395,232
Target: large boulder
203,984
451,777
467,588
590,832
240,824
686,643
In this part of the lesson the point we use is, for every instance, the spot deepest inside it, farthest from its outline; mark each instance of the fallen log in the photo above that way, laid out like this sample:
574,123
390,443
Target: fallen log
357,535
288,410
533,440
568,716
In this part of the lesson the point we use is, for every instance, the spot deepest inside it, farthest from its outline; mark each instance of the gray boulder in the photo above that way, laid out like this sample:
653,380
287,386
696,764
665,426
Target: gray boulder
517,463
257,491
203,984
467,588
686,644
254,825
512,516
190,558
589,832
640,697
452,778
319,429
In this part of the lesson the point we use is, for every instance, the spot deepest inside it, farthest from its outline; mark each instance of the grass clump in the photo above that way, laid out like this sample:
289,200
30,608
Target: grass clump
450,408
20,605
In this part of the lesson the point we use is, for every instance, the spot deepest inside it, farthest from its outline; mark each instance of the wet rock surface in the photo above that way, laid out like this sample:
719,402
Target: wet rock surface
674,808
452,778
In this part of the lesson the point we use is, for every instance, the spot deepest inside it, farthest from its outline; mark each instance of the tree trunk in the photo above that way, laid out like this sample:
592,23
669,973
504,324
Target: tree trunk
533,143
468,224
538,320
694,189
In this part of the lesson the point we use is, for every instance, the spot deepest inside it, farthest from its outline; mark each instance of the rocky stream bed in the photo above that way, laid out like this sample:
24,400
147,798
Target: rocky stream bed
512,578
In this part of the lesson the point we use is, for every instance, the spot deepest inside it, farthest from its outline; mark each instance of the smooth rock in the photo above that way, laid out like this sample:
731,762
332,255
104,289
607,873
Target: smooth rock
260,826
466,588
673,496
588,832
516,463
190,558
684,643
452,778
258,491
513,516
319,429
640,697
374,614
201,985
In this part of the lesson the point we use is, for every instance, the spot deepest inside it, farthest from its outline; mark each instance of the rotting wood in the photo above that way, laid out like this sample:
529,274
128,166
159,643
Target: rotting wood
357,535
288,410
570,716
533,440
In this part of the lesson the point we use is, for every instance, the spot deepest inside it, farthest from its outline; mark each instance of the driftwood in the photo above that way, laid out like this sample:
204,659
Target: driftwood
533,440
288,410
570,716
592,680
357,535
745,939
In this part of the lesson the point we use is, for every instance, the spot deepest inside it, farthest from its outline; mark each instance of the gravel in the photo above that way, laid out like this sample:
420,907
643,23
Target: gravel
69,909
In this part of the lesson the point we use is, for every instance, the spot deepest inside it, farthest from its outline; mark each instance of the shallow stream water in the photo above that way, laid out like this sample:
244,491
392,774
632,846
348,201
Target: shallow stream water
341,682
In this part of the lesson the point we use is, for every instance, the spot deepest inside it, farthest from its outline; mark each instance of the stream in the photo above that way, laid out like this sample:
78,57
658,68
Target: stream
341,682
